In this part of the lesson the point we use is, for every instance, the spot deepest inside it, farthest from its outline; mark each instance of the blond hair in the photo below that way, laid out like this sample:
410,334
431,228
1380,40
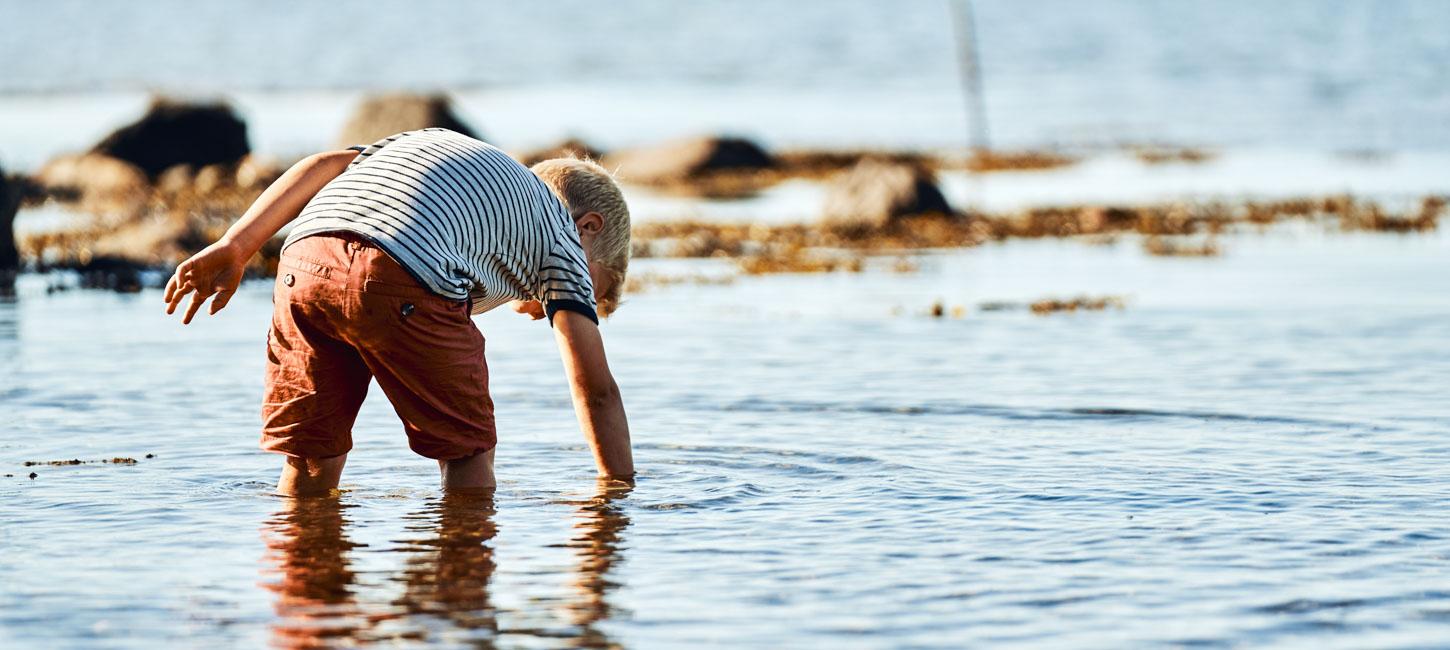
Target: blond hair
586,187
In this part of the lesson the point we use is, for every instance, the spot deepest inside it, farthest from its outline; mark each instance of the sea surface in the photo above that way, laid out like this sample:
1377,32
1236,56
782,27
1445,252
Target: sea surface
1251,453
1323,75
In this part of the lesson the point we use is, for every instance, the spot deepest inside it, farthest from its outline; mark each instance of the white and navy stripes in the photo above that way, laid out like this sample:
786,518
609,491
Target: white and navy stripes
467,220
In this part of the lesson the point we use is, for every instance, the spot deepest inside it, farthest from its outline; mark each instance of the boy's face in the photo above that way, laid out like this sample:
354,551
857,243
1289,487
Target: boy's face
602,279
589,225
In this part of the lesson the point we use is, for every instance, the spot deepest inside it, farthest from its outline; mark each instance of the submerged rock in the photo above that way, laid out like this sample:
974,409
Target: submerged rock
876,193
688,158
383,115
179,133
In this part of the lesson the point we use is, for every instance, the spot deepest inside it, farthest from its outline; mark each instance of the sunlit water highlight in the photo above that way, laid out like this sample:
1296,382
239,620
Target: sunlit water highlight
1252,452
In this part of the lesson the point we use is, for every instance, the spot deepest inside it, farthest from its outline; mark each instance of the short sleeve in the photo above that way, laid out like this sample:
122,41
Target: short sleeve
365,150
564,282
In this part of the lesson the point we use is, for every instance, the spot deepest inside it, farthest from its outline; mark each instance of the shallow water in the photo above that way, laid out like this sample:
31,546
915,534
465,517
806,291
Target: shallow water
1251,453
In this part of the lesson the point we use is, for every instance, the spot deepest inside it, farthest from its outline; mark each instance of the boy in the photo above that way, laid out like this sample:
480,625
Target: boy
394,246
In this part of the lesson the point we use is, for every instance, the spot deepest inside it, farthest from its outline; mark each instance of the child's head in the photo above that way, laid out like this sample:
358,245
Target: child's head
599,211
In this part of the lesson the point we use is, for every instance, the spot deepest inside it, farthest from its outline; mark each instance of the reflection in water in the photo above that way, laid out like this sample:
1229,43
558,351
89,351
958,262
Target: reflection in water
315,601
444,578
599,525
9,313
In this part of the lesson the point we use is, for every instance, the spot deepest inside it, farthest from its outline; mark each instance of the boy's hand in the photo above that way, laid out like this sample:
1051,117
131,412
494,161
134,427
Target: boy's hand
216,270
531,308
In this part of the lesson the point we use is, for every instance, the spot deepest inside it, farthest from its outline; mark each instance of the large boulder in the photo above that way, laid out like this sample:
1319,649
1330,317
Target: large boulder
689,158
875,193
383,115
178,133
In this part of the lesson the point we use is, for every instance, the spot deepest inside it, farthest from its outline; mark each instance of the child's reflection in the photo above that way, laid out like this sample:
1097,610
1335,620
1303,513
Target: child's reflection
599,524
315,599
448,572
445,578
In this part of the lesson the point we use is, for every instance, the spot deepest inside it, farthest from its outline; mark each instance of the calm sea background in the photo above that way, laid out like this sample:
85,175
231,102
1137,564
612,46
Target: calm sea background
1251,454
1320,74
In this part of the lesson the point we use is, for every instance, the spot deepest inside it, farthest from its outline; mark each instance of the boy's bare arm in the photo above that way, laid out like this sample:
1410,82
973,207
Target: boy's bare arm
218,268
596,396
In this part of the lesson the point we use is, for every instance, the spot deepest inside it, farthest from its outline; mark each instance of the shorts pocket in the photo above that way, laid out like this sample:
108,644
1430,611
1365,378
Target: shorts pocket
310,267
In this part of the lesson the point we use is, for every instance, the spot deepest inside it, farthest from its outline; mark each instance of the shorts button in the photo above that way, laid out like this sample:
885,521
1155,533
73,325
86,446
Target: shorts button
288,279
407,309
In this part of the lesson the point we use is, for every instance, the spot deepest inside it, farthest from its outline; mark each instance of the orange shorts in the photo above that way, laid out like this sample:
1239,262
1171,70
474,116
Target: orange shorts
345,313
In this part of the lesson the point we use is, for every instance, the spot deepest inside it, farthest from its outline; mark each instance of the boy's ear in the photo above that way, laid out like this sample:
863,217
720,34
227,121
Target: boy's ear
590,222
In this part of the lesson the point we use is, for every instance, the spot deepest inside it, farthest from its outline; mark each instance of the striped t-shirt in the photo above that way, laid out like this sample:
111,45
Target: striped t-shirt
467,220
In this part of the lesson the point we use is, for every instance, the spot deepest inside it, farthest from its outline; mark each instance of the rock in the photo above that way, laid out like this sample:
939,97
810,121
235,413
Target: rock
570,148
211,178
97,182
153,241
689,158
383,115
176,133
257,172
175,180
874,193
12,190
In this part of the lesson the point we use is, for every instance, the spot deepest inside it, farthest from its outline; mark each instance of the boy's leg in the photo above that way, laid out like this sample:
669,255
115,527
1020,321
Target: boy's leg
310,477
315,381
470,474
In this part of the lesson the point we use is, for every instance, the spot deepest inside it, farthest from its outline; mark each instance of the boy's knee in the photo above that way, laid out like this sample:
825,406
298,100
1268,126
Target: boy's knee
469,473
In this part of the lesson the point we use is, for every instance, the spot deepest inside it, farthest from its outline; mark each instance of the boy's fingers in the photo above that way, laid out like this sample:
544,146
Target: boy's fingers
191,309
178,279
177,296
170,288
222,298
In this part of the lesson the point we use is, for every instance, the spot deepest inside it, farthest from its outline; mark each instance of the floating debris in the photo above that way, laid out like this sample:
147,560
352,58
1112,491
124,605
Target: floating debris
1055,305
798,259
648,281
1164,247
903,264
940,310
1085,303
1016,161
1160,155
119,460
